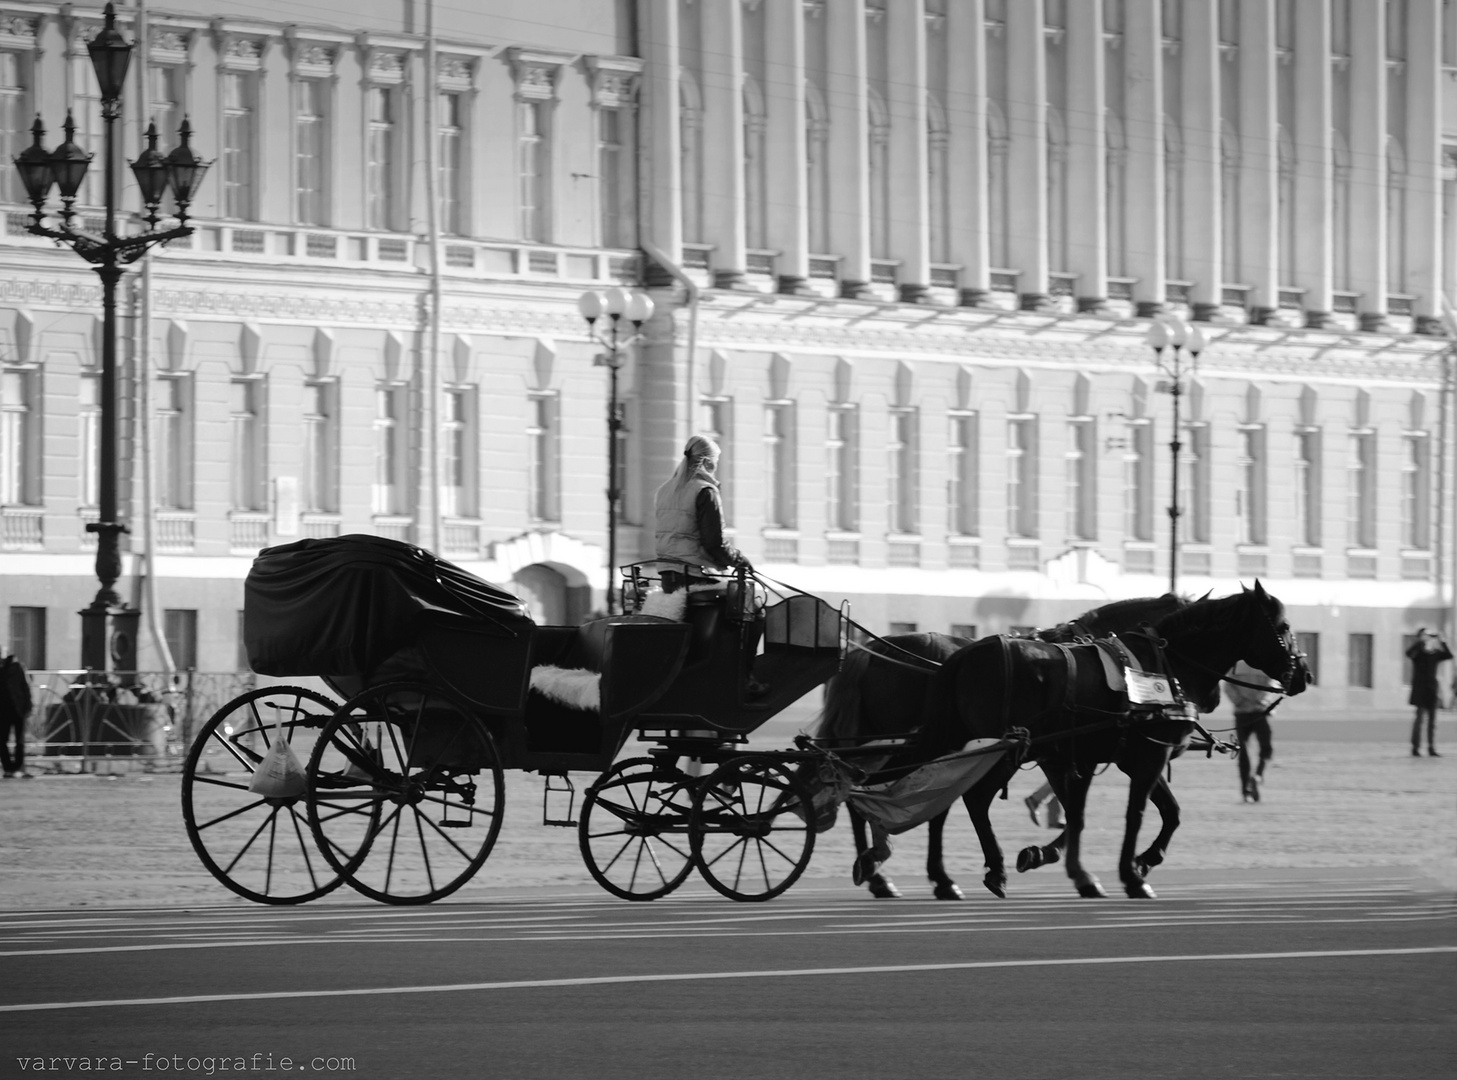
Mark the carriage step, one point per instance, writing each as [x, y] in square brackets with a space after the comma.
[565, 787]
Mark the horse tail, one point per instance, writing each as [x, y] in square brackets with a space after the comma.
[840, 716]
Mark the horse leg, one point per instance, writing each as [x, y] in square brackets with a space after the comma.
[1162, 797]
[978, 801]
[867, 869]
[1142, 777]
[946, 889]
[1075, 797]
[1030, 858]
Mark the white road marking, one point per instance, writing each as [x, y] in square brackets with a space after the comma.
[705, 976]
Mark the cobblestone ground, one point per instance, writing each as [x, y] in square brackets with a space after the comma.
[94, 841]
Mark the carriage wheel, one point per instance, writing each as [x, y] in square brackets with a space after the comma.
[257, 845]
[749, 831]
[634, 829]
[405, 793]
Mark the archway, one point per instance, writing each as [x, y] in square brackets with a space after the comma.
[550, 598]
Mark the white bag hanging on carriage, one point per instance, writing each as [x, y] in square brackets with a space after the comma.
[913, 799]
[279, 774]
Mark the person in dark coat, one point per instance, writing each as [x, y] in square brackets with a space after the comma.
[1426, 655]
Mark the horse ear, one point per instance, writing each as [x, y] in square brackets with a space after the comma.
[1207, 595]
[1260, 590]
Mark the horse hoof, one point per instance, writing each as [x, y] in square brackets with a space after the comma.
[1139, 890]
[1090, 889]
[883, 888]
[1029, 858]
[949, 890]
[860, 872]
[996, 884]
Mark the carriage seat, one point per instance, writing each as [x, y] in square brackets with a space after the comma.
[637, 655]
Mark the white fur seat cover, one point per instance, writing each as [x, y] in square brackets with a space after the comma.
[576, 688]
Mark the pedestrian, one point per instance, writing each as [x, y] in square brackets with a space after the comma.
[689, 511]
[15, 705]
[1252, 706]
[1426, 654]
[1034, 802]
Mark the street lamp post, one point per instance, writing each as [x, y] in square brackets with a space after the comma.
[620, 306]
[1181, 340]
[64, 168]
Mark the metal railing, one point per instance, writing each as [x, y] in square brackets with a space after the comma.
[144, 719]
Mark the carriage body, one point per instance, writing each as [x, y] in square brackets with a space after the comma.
[438, 675]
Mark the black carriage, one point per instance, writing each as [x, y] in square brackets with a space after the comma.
[443, 681]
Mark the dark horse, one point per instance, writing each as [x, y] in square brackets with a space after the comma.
[881, 690]
[1059, 695]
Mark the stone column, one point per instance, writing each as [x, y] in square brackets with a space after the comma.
[787, 143]
[658, 130]
[966, 153]
[1203, 209]
[1027, 149]
[910, 205]
[1087, 150]
[1367, 38]
[847, 90]
[724, 219]
[1259, 172]
[1143, 53]
[1423, 141]
[1314, 165]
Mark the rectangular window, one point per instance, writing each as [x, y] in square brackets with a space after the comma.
[717, 424]
[450, 110]
[320, 492]
[172, 441]
[165, 101]
[612, 185]
[901, 476]
[533, 170]
[779, 478]
[543, 488]
[841, 470]
[88, 441]
[240, 142]
[1022, 476]
[457, 454]
[1359, 650]
[1081, 478]
[1307, 643]
[247, 442]
[1194, 522]
[1307, 486]
[179, 627]
[1250, 495]
[1361, 490]
[15, 119]
[311, 141]
[902, 628]
[1138, 481]
[28, 636]
[964, 630]
[380, 194]
[389, 458]
[962, 487]
[1416, 492]
[19, 466]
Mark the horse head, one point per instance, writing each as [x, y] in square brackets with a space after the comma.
[1270, 644]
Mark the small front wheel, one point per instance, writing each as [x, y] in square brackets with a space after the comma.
[405, 793]
[634, 829]
[752, 828]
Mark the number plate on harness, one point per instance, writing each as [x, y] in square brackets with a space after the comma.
[1146, 688]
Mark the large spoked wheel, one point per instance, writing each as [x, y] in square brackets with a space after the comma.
[751, 828]
[256, 844]
[634, 829]
[405, 793]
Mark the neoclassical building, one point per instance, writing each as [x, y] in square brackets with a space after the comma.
[905, 256]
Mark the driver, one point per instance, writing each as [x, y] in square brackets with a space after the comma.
[690, 517]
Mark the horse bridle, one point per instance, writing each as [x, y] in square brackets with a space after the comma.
[1286, 644]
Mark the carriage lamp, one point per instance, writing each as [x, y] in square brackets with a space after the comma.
[108, 624]
[1171, 334]
[621, 307]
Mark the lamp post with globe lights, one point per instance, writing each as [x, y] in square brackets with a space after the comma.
[64, 168]
[1183, 343]
[609, 315]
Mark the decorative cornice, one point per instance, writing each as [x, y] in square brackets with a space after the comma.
[614, 80]
[455, 74]
[536, 72]
[170, 45]
[18, 31]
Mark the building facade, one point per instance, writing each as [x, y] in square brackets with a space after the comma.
[905, 257]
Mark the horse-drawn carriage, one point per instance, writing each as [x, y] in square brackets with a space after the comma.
[441, 682]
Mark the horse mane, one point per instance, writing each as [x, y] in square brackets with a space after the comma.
[1207, 614]
[840, 717]
[1119, 614]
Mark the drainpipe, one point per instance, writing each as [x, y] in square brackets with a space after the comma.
[144, 579]
[661, 258]
[436, 539]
